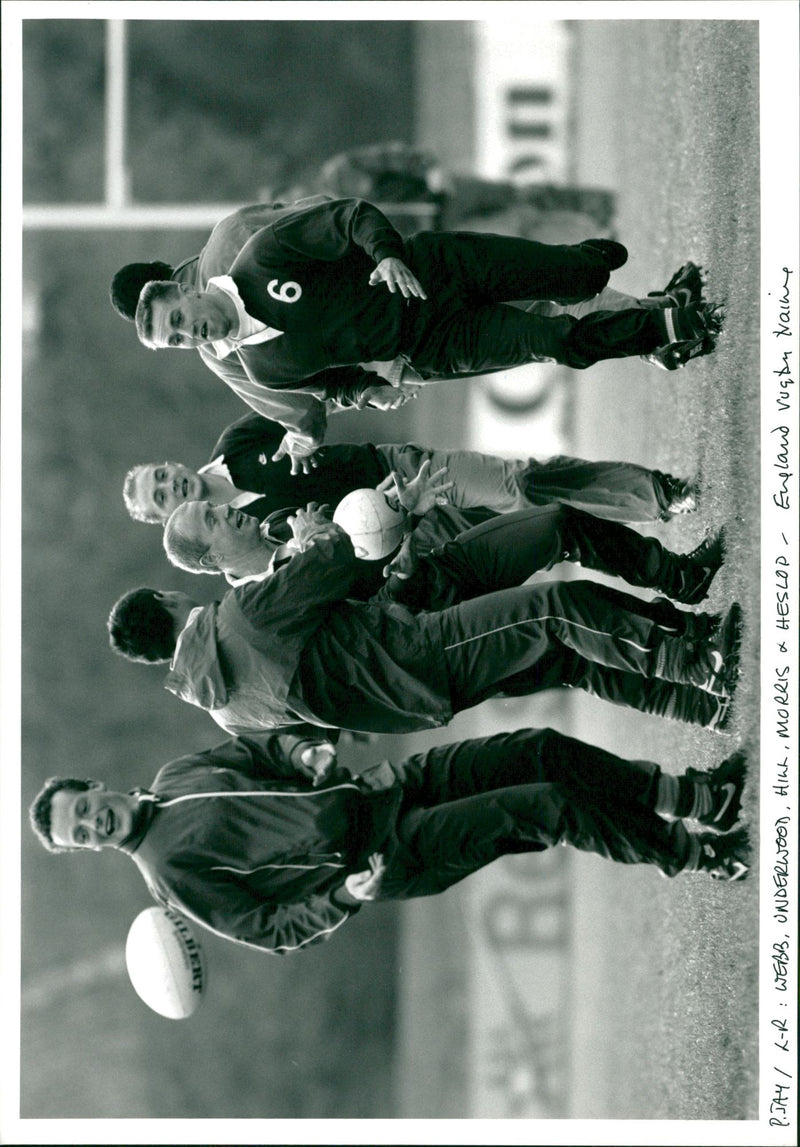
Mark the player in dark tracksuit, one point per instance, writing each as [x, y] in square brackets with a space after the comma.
[292, 648]
[506, 550]
[243, 454]
[309, 281]
[238, 839]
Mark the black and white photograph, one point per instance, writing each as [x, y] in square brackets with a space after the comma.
[294, 848]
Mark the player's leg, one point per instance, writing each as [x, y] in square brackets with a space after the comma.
[478, 479]
[525, 756]
[479, 267]
[440, 846]
[613, 548]
[606, 300]
[508, 549]
[491, 638]
[615, 491]
[480, 339]
[685, 703]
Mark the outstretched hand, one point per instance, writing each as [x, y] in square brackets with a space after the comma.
[422, 492]
[386, 397]
[310, 524]
[301, 463]
[397, 277]
[403, 564]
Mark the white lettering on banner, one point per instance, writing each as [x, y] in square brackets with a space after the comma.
[519, 913]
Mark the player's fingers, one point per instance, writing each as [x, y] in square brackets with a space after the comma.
[438, 475]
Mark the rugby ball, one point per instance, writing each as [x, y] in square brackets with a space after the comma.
[375, 529]
[165, 963]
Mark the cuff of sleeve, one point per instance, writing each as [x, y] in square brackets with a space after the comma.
[388, 251]
[342, 899]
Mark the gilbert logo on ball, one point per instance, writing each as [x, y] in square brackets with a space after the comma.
[375, 529]
[165, 963]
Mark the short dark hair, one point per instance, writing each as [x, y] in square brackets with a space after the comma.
[151, 293]
[141, 628]
[40, 810]
[127, 284]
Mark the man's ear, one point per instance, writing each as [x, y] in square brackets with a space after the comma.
[211, 561]
[95, 784]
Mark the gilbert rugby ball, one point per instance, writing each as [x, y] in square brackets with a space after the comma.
[374, 527]
[165, 963]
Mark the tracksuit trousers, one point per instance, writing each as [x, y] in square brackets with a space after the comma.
[467, 804]
[618, 491]
[564, 669]
[374, 669]
[469, 330]
[490, 638]
[506, 550]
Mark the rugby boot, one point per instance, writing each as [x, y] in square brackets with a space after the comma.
[725, 857]
[716, 799]
[720, 718]
[685, 286]
[687, 578]
[683, 623]
[715, 665]
[688, 332]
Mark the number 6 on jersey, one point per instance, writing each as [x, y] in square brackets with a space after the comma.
[288, 292]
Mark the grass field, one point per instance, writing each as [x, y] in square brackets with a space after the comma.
[684, 138]
[664, 973]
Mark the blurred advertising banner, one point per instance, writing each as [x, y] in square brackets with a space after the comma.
[520, 921]
[521, 99]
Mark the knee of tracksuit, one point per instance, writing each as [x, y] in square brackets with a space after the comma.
[557, 805]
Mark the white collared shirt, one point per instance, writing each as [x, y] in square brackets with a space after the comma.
[249, 330]
[218, 469]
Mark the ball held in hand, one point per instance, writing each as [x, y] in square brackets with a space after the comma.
[375, 529]
[165, 963]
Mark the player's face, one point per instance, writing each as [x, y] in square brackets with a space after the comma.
[229, 534]
[186, 319]
[94, 819]
[161, 488]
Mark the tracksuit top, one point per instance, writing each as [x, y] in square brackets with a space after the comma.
[247, 447]
[238, 840]
[256, 659]
[308, 276]
[302, 413]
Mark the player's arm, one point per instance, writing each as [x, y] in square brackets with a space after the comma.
[302, 413]
[310, 581]
[333, 230]
[224, 904]
[302, 751]
[336, 229]
[253, 434]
